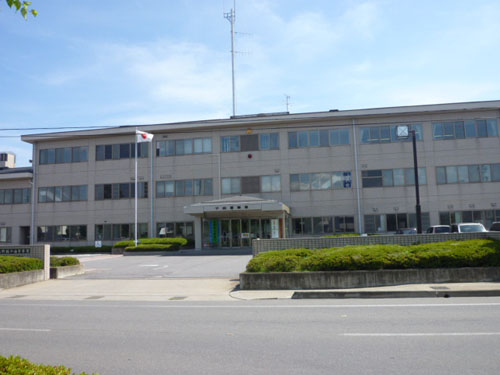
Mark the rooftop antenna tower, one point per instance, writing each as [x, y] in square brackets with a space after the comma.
[231, 16]
[287, 101]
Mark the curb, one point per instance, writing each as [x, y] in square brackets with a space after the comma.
[395, 294]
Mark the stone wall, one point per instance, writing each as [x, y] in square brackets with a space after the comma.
[30, 251]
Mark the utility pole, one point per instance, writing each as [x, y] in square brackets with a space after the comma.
[231, 16]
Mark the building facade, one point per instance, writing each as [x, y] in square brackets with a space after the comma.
[224, 182]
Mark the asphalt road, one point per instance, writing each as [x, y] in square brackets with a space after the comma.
[160, 267]
[417, 336]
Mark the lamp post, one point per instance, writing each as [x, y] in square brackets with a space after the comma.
[403, 131]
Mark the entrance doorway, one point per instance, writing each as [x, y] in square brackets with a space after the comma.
[24, 235]
[231, 233]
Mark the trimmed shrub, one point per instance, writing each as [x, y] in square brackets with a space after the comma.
[449, 254]
[64, 261]
[174, 242]
[20, 366]
[19, 264]
[79, 249]
[150, 247]
[342, 235]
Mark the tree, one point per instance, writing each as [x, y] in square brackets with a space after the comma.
[22, 6]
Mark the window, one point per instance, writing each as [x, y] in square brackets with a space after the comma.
[230, 143]
[465, 129]
[392, 222]
[393, 177]
[15, 196]
[181, 188]
[269, 141]
[120, 151]
[172, 229]
[318, 138]
[320, 225]
[468, 173]
[231, 185]
[181, 147]
[386, 134]
[485, 217]
[62, 194]
[64, 155]
[56, 233]
[118, 191]
[270, 183]
[320, 181]
[5, 234]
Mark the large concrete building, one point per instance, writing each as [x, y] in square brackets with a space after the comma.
[225, 182]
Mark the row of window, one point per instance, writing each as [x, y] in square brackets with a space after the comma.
[465, 129]
[121, 151]
[5, 234]
[386, 133]
[468, 173]
[251, 184]
[181, 188]
[54, 233]
[64, 155]
[120, 232]
[270, 141]
[392, 177]
[120, 191]
[184, 147]
[485, 217]
[15, 196]
[392, 222]
[322, 225]
[318, 138]
[320, 181]
[62, 194]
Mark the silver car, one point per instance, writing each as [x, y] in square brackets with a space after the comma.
[468, 228]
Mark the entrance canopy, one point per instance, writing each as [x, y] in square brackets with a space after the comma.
[238, 207]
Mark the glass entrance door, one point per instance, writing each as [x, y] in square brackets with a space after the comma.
[225, 233]
[245, 232]
[235, 232]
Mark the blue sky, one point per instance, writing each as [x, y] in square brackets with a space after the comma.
[107, 63]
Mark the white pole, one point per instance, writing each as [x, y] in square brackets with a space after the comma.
[135, 182]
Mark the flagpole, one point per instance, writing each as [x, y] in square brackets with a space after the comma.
[135, 192]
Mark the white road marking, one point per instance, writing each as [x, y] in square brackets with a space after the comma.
[421, 334]
[25, 329]
[234, 305]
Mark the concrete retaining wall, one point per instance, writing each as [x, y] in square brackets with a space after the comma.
[62, 272]
[13, 279]
[260, 246]
[361, 279]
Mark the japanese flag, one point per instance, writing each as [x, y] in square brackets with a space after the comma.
[143, 136]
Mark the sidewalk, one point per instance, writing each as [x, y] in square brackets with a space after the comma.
[223, 289]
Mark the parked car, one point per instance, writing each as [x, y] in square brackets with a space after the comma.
[495, 227]
[439, 229]
[407, 231]
[468, 228]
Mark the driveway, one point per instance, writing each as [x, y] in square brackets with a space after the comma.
[154, 267]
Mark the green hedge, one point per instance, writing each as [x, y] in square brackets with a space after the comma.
[174, 242]
[150, 247]
[20, 366]
[474, 253]
[19, 264]
[64, 261]
[342, 235]
[79, 249]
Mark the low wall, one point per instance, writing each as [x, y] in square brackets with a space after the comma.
[260, 246]
[14, 279]
[62, 272]
[364, 279]
[30, 251]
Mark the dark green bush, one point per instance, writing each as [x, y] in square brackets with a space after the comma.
[19, 264]
[175, 242]
[64, 261]
[20, 366]
[79, 249]
[474, 253]
[150, 247]
[342, 235]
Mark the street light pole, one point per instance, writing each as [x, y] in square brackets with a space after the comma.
[418, 208]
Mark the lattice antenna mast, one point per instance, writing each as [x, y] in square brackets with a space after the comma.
[231, 16]
[287, 101]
